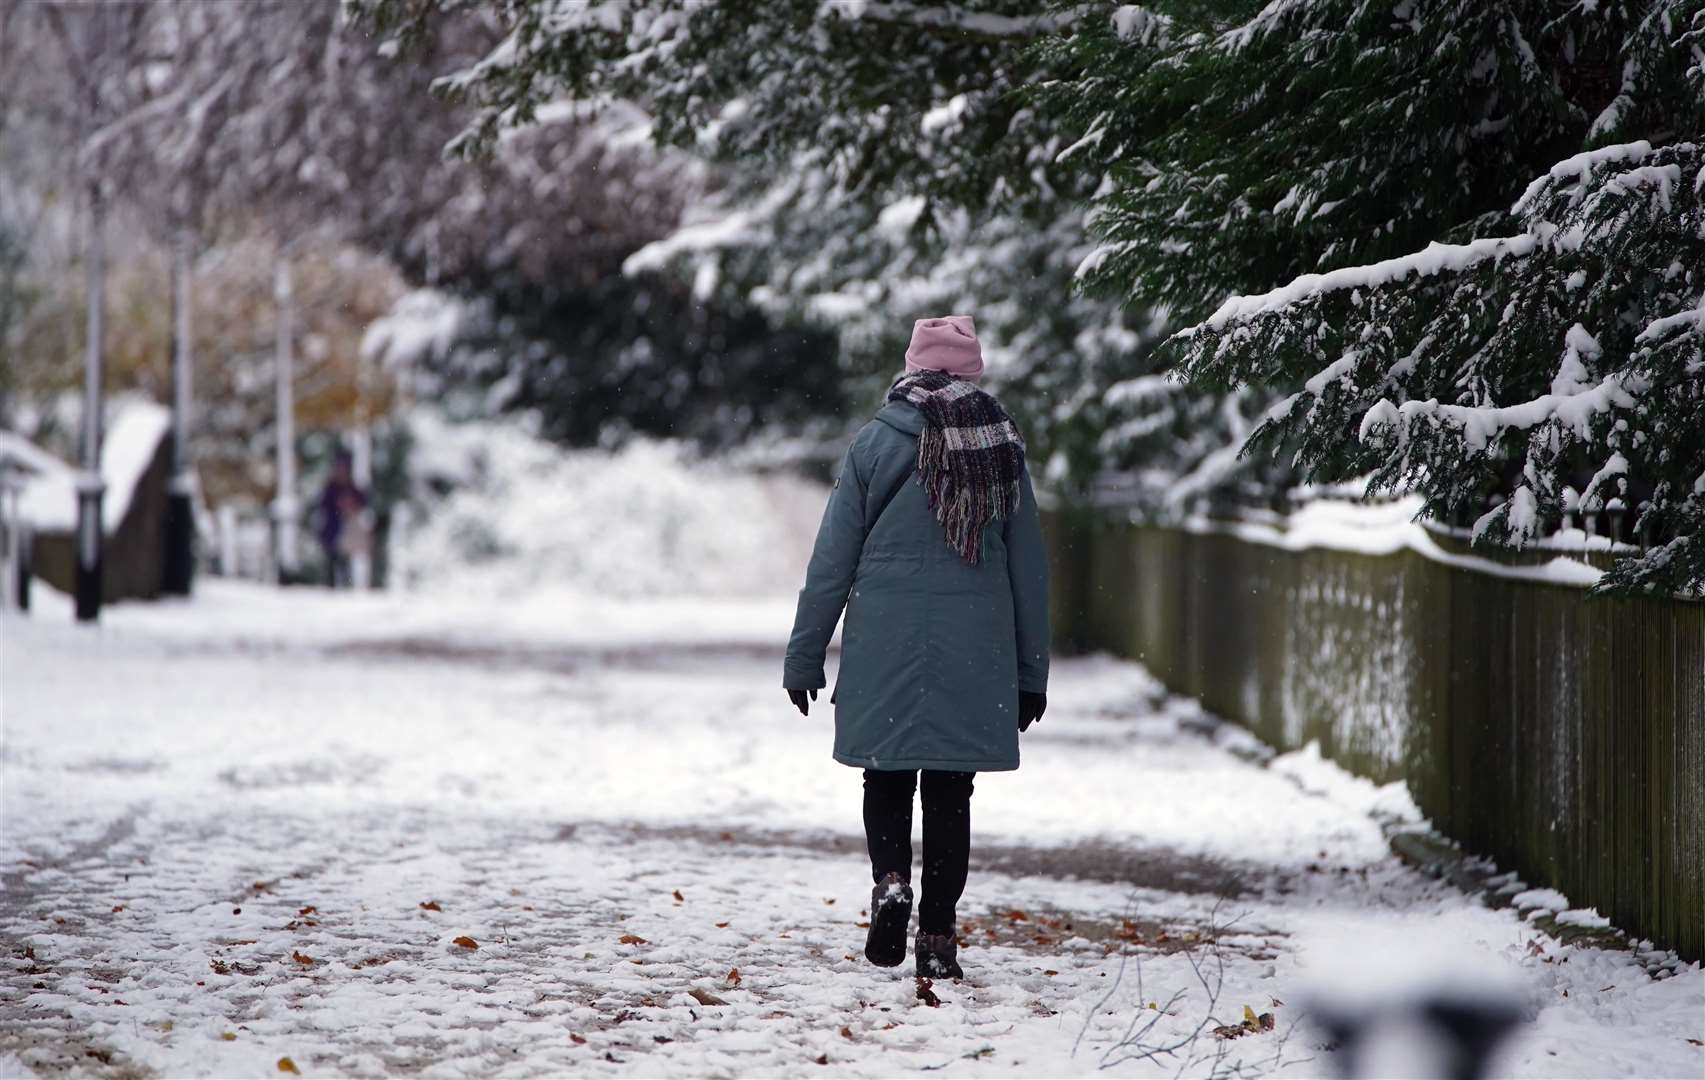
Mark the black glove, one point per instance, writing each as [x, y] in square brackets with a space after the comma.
[1031, 706]
[799, 702]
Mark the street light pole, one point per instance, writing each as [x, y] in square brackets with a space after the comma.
[284, 379]
[89, 483]
[179, 570]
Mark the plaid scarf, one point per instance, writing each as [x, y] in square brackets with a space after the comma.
[970, 456]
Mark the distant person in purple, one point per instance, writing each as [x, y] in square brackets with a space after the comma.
[343, 532]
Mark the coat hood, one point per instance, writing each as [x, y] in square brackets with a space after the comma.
[903, 417]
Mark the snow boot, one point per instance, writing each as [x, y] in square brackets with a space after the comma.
[938, 956]
[890, 917]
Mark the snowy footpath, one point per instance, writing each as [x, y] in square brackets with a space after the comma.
[267, 833]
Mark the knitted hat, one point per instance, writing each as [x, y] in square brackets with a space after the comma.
[946, 344]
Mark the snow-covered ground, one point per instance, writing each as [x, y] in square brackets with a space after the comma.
[254, 826]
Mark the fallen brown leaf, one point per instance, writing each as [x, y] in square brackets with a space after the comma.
[822, 1059]
[1049, 971]
[302, 958]
[722, 926]
[846, 1033]
[733, 978]
[1016, 915]
[678, 897]
[430, 905]
[705, 997]
[632, 939]
[926, 994]
[309, 910]
[229, 1036]
[578, 1040]
[829, 900]
[117, 908]
[287, 1066]
[466, 942]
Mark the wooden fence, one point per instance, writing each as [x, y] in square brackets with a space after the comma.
[1561, 734]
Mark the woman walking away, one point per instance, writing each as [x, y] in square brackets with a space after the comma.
[932, 545]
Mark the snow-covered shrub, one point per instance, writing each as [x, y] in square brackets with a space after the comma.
[497, 508]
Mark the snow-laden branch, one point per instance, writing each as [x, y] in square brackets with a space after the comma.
[1436, 259]
[1436, 362]
[734, 228]
[932, 17]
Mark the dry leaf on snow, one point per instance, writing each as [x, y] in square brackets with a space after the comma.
[926, 994]
[632, 939]
[430, 905]
[285, 1065]
[705, 997]
[466, 942]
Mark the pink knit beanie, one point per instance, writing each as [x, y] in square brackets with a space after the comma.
[946, 344]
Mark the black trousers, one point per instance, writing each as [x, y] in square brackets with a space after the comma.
[947, 836]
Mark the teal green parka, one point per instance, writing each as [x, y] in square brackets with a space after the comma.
[934, 651]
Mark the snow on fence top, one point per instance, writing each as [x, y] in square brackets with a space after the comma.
[48, 501]
[1389, 526]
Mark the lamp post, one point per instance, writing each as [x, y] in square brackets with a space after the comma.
[179, 570]
[90, 486]
[284, 379]
[14, 591]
